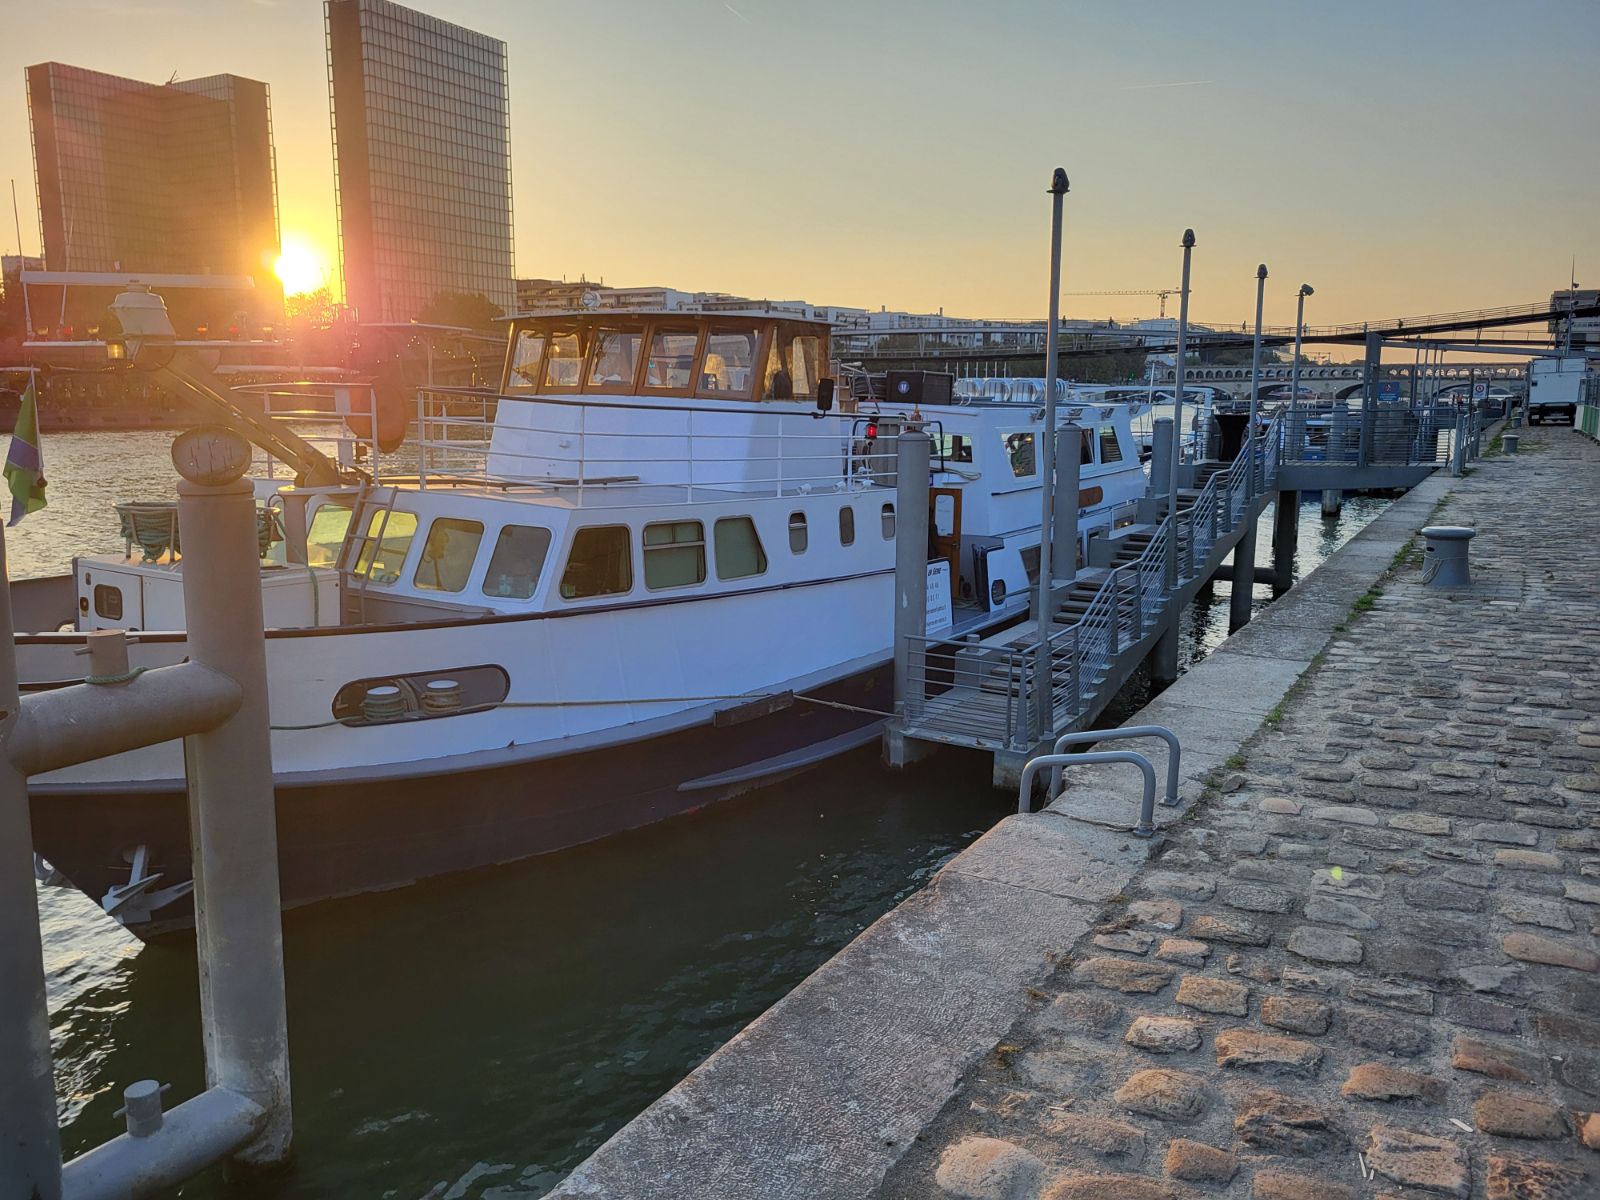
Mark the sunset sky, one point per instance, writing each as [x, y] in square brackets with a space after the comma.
[1403, 156]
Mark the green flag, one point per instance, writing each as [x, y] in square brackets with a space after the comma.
[25, 460]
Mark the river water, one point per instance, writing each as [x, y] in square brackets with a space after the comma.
[477, 1036]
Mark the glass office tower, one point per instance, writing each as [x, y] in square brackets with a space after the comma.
[422, 158]
[134, 177]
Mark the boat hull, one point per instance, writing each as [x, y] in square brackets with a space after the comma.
[342, 839]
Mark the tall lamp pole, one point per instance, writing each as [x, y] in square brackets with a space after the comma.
[1255, 384]
[1177, 410]
[1046, 454]
[1294, 369]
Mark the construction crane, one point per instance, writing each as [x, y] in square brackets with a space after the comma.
[1162, 292]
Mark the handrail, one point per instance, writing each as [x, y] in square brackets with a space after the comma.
[1119, 734]
[1147, 806]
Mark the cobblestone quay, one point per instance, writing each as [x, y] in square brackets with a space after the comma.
[1366, 964]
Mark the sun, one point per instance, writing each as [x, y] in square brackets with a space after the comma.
[299, 267]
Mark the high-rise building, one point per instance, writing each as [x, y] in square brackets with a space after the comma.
[175, 178]
[422, 157]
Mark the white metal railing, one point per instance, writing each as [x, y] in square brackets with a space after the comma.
[689, 453]
[337, 419]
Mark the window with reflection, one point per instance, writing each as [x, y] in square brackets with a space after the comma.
[739, 552]
[448, 553]
[616, 356]
[519, 553]
[674, 554]
[805, 364]
[325, 536]
[388, 540]
[730, 361]
[563, 361]
[526, 358]
[1019, 453]
[799, 535]
[599, 564]
[671, 361]
[847, 526]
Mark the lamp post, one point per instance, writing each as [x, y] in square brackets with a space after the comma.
[1294, 368]
[1046, 456]
[1177, 411]
[1255, 384]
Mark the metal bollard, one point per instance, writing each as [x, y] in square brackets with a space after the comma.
[1444, 557]
[141, 1105]
[1508, 442]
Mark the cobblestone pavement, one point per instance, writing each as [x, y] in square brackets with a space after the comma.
[1371, 970]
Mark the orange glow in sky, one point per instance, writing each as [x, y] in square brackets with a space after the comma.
[301, 267]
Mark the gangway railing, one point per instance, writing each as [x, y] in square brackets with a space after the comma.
[1147, 804]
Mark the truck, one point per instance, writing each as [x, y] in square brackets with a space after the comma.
[1554, 387]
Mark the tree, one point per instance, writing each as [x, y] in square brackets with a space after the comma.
[466, 310]
[314, 309]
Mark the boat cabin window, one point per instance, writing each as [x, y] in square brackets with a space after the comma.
[1019, 453]
[805, 364]
[599, 564]
[739, 552]
[674, 554]
[1110, 451]
[847, 526]
[325, 536]
[799, 536]
[563, 362]
[518, 557]
[526, 357]
[671, 362]
[888, 522]
[447, 556]
[386, 544]
[1086, 448]
[955, 447]
[615, 360]
[108, 601]
[730, 361]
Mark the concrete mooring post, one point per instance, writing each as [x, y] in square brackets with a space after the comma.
[1160, 456]
[1285, 538]
[1064, 523]
[1244, 575]
[913, 453]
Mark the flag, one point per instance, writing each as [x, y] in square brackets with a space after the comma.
[25, 460]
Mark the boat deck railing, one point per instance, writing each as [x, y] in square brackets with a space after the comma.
[335, 418]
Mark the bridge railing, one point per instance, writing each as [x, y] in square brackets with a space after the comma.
[1397, 435]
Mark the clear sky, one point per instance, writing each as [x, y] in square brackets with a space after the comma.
[1403, 156]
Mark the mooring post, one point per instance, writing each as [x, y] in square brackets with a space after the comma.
[232, 814]
[1160, 456]
[1332, 502]
[1253, 483]
[1285, 537]
[1244, 576]
[913, 453]
[1064, 524]
[1179, 364]
[30, 1143]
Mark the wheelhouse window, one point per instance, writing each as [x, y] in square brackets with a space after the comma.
[1086, 448]
[599, 564]
[527, 356]
[671, 362]
[674, 554]
[805, 364]
[615, 360]
[519, 554]
[1019, 453]
[730, 361]
[386, 544]
[799, 535]
[888, 522]
[847, 526]
[448, 553]
[325, 535]
[563, 362]
[739, 552]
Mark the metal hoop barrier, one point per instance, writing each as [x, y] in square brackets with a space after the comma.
[1170, 800]
[1147, 807]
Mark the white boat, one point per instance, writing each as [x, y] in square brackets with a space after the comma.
[651, 570]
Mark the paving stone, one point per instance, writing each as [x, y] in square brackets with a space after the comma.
[1183, 886]
[1099, 1135]
[1583, 893]
[1496, 1062]
[1380, 1081]
[1512, 1178]
[1518, 1114]
[1589, 1129]
[1424, 823]
[1160, 913]
[1533, 947]
[1279, 1124]
[1385, 1034]
[1163, 1093]
[1113, 1187]
[1297, 1015]
[1070, 1070]
[1269, 1053]
[1503, 833]
[1438, 929]
[1323, 945]
[1281, 805]
[1196, 1162]
[1528, 860]
[1333, 911]
[1561, 1027]
[1530, 910]
[1439, 893]
[1184, 950]
[1414, 959]
[1481, 1014]
[1084, 1011]
[1235, 930]
[1581, 1071]
[1274, 1183]
[1300, 980]
[1163, 1035]
[985, 1168]
[1345, 815]
[1391, 995]
[1253, 897]
[1268, 870]
[1222, 996]
[1507, 979]
[1130, 941]
[1125, 975]
[1417, 1160]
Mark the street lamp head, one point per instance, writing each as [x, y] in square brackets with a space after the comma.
[1306, 289]
[1058, 182]
[1261, 271]
[1188, 239]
